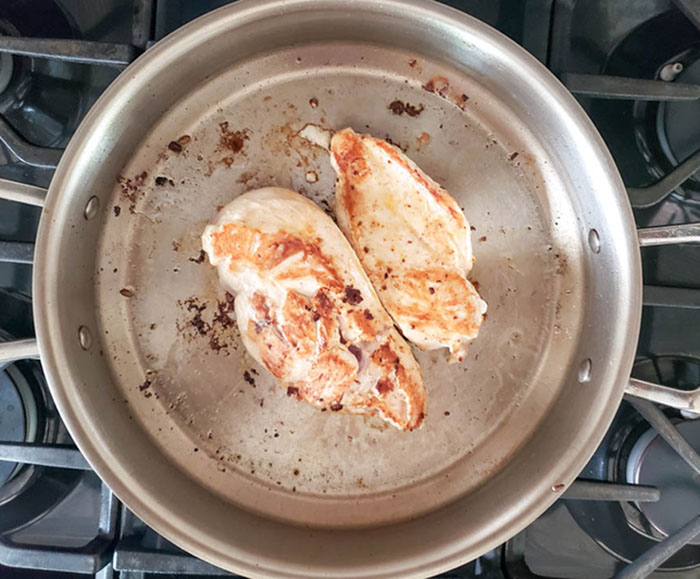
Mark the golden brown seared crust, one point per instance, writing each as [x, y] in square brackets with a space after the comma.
[336, 348]
[412, 239]
[433, 299]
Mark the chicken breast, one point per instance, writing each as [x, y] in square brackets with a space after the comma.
[307, 311]
[412, 239]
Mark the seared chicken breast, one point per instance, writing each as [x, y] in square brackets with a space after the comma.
[413, 240]
[307, 311]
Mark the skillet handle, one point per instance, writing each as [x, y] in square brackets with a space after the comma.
[669, 234]
[29, 195]
[681, 399]
[23, 193]
[18, 350]
[688, 400]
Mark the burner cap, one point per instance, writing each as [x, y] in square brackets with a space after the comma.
[653, 462]
[13, 426]
[679, 121]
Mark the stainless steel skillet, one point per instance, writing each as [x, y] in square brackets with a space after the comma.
[143, 358]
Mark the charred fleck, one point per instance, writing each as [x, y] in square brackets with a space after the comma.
[117, 210]
[197, 322]
[399, 107]
[248, 378]
[200, 258]
[293, 391]
[384, 386]
[231, 140]
[353, 296]
[175, 147]
[336, 406]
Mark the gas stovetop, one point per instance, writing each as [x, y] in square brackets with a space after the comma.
[634, 66]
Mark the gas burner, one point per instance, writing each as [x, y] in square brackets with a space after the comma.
[27, 415]
[41, 100]
[18, 423]
[634, 453]
[678, 122]
[664, 48]
[653, 462]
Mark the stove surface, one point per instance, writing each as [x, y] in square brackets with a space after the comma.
[633, 64]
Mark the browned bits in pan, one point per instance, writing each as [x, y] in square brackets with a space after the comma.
[512, 156]
[336, 407]
[248, 378]
[175, 147]
[437, 84]
[132, 189]
[293, 391]
[313, 102]
[197, 322]
[423, 139]
[127, 292]
[399, 107]
[117, 210]
[217, 332]
[200, 258]
[231, 140]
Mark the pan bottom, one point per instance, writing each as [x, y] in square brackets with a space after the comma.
[169, 330]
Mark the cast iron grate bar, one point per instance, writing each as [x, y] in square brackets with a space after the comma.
[79, 51]
[84, 560]
[16, 252]
[691, 9]
[620, 87]
[654, 557]
[667, 431]
[59, 456]
[671, 297]
[131, 556]
[585, 490]
[40, 157]
[653, 194]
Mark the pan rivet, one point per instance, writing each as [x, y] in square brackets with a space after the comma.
[91, 207]
[84, 337]
[584, 371]
[558, 487]
[594, 241]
